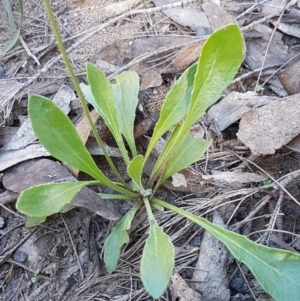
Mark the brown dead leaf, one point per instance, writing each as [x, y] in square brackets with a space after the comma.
[210, 276]
[84, 129]
[266, 129]
[181, 291]
[289, 78]
[41, 171]
[217, 16]
[231, 108]
[178, 179]
[233, 179]
[120, 7]
[187, 17]
[149, 79]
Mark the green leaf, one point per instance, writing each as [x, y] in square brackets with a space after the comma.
[135, 169]
[175, 106]
[59, 136]
[157, 261]
[218, 63]
[103, 100]
[188, 151]
[16, 32]
[116, 239]
[41, 201]
[276, 270]
[34, 221]
[126, 92]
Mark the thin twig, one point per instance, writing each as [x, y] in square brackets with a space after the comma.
[269, 43]
[72, 242]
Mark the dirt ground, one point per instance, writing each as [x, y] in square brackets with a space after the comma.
[62, 258]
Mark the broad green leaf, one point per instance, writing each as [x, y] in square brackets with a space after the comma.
[41, 201]
[34, 221]
[116, 239]
[59, 136]
[276, 270]
[218, 63]
[135, 169]
[175, 106]
[188, 151]
[103, 100]
[157, 261]
[126, 92]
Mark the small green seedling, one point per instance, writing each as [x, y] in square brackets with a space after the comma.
[36, 276]
[196, 90]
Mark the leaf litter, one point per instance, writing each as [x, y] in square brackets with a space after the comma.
[202, 192]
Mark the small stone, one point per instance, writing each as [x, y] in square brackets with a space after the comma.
[20, 256]
[3, 223]
[2, 73]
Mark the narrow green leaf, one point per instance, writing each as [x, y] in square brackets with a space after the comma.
[126, 92]
[104, 102]
[276, 270]
[59, 136]
[16, 32]
[218, 63]
[135, 169]
[116, 239]
[41, 201]
[175, 106]
[157, 261]
[188, 151]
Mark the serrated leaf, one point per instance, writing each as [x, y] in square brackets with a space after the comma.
[116, 239]
[276, 270]
[126, 92]
[60, 138]
[41, 201]
[135, 170]
[220, 58]
[101, 97]
[157, 261]
[175, 106]
[188, 151]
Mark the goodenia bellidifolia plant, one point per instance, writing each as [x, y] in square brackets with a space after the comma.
[199, 87]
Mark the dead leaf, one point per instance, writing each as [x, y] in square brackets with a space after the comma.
[178, 179]
[289, 78]
[266, 129]
[231, 108]
[188, 17]
[119, 7]
[25, 134]
[41, 171]
[150, 79]
[210, 276]
[232, 179]
[217, 16]
[8, 90]
[84, 129]
[294, 144]
[181, 291]
[279, 53]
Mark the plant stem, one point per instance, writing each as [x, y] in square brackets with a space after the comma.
[75, 82]
[149, 210]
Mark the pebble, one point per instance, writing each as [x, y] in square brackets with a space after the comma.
[20, 256]
[2, 73]
[3, 223]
